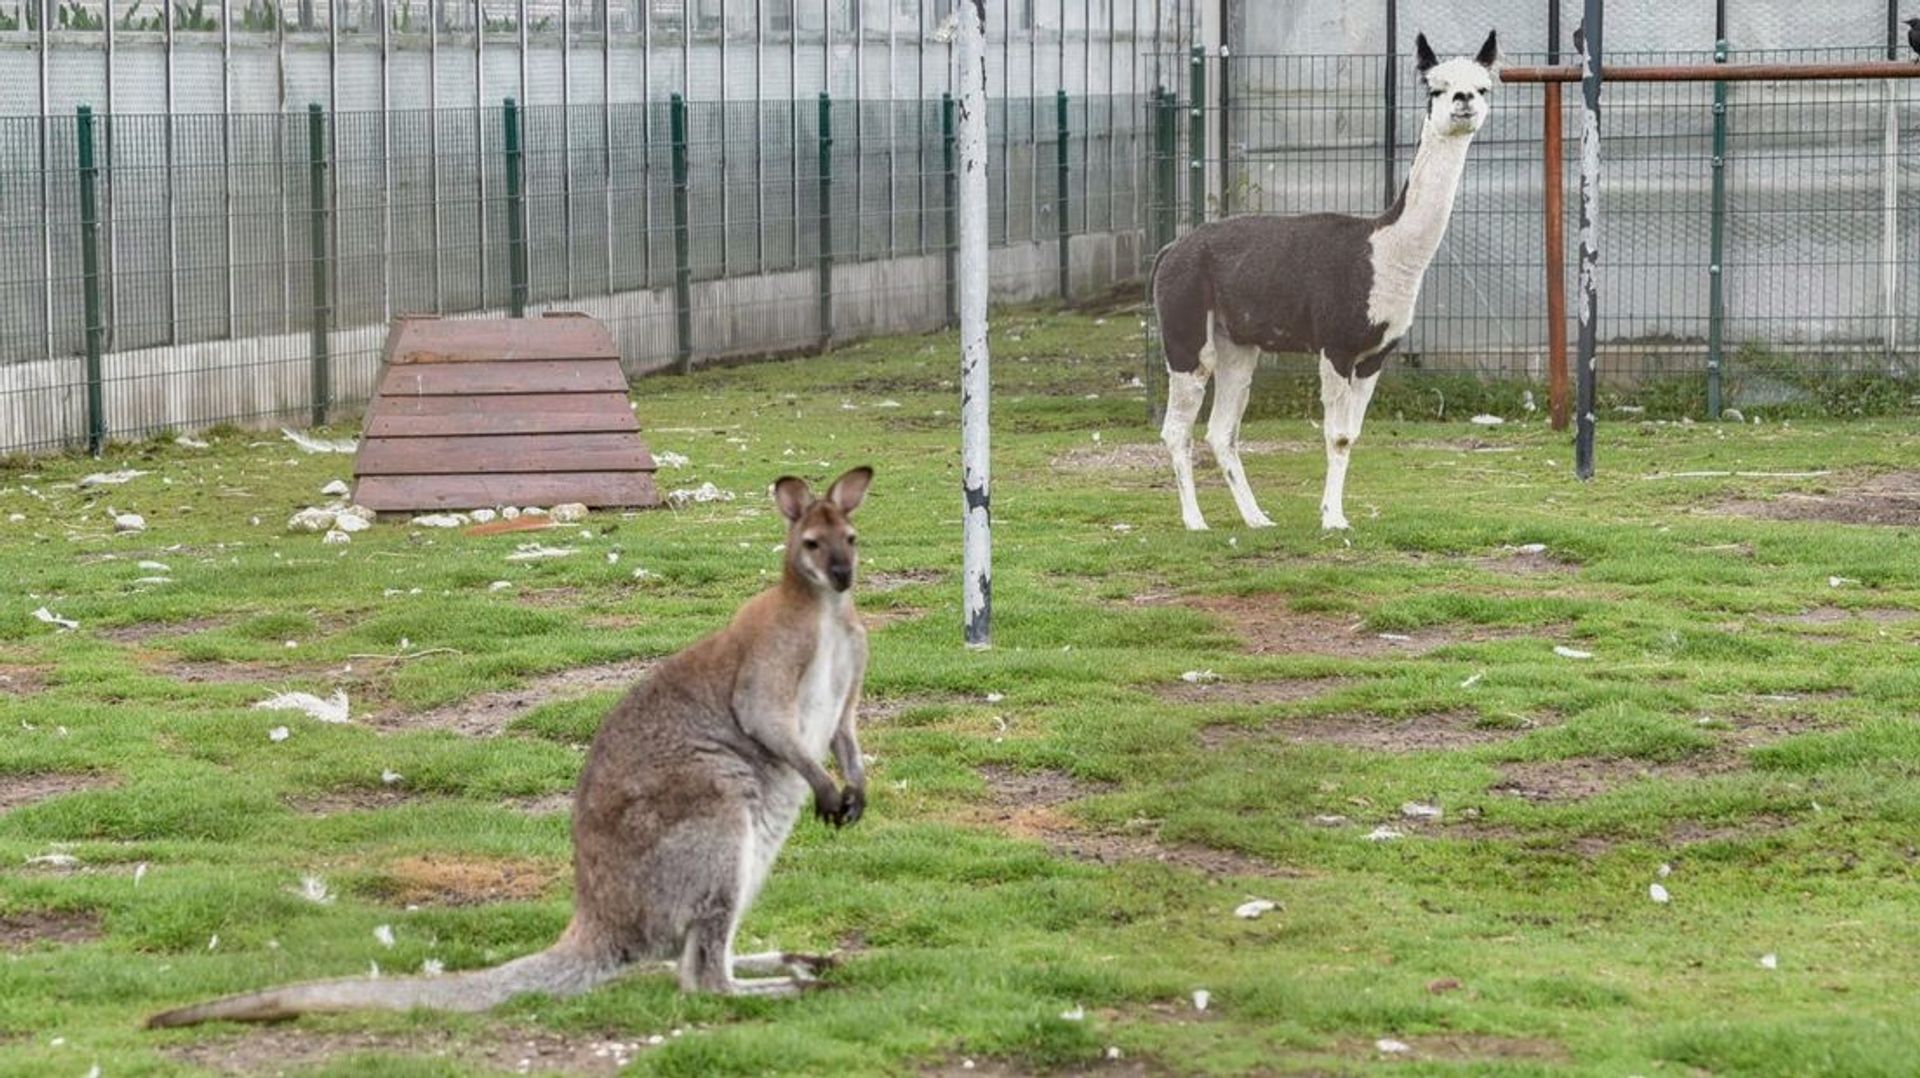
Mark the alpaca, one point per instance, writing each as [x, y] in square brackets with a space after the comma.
[1325, 284]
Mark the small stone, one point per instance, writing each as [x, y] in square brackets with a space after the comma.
[1201, 998]
[1384, 833]
[1391, 1047]
[500, 585]
[569, 513]
[311, 519]
[1415, 810]
[1769, 961]
[533, 511]
[347, 523]
[1329, 821]
[1658, 894]
[359, 511]
[1250, 910]
[336, 537]
[482, 516]
[439, 520]
[338, 488]
[279, 733]
[510, 513]
[129, 522]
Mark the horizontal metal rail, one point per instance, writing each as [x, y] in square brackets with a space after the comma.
[1869, 69]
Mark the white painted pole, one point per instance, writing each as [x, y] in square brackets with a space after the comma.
[1890, 232]
[971, 139]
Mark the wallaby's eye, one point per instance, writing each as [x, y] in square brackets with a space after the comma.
[810, 544]
[1436, 93]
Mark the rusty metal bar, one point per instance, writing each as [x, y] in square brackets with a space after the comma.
[1556, 228]
[1866, 69]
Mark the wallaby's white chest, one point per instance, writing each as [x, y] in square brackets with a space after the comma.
[827, 682]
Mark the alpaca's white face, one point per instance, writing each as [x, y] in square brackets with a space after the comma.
[1459, 94]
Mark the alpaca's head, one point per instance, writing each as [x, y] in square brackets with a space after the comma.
[1459, 91]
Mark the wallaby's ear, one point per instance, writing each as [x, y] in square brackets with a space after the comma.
[792, 496]
[1423, 53]
[1489, 52]
[850, 490]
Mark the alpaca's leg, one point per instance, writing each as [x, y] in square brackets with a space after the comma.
[1233, 383]
[1336, 394]
[1185, 392]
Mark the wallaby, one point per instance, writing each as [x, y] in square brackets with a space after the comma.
[690, 789]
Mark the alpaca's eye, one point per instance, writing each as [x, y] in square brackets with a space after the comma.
[1436, 93]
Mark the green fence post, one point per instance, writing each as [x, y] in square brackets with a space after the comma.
[1060, 203]
[1716, 258]
[1167, 139]
[826, 219]
[1197, 139]
[322, 387]
[682, 238]
[516, 213]
[90, 280]
[950, 183]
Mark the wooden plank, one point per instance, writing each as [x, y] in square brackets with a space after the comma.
[499, 339]
[532, 413]
[505, 453]
[407, 493]
[522, 376]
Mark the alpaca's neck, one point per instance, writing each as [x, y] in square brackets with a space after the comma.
[1427, 202]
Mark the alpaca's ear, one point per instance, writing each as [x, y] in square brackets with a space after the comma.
[1489, 52]
[1423, 53]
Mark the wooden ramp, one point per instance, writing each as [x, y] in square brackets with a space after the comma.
[519, 411]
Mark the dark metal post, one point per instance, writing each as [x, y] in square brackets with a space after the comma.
[1893, 29]
[90, 282]
[1225, 125]
[1166, 141]
[516, 213]
[1197, 137]
[1060, 202]
[1592, 70]
[322, 265]
[1389, 136]
[826, 219]
[950, 186]
[682, 237]
[1716, 258]
[1558, 409]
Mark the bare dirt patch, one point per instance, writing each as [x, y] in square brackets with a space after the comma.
[1692, 833]
[1524, 563]
[1836, 616]
[1270, 691]
[892, 615]
[886, 580]
[541, 805]
[1266, 626]
[26, 929]
[1766, 722]
[977, 1066]
[445, 880]
[1891, 499]
[1026, 804]
[885, 710]
[233, 672]
[356, 799]
[279, 1049]
[1580, 777]
[148, 631]
[19, 790]
[22, 680]
[1468, 1047]
[1439, 732]
[564, 596]
[490, 713]
[1152, 456]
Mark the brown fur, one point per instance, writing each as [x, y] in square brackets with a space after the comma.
[691, 787]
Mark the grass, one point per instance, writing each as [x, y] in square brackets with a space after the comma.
[1770, 762]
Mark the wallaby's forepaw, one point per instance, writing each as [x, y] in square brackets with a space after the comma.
[828, 805]
[853, 803]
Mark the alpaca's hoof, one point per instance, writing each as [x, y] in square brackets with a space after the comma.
[1196, 524]
[1333, 522]
[1259, 520]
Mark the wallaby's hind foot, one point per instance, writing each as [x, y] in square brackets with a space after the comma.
[804, 967]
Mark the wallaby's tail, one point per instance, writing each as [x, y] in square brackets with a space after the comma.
[561, 970]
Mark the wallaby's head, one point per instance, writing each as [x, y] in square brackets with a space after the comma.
[821, 544]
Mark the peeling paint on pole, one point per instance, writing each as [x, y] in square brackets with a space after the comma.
[977, 555]
[1588, 41]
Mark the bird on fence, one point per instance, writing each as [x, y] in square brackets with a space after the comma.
[1913, 36]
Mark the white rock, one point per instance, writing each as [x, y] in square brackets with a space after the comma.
[705, 492]
[1769, 961]
[1840, 581]
[510, 513]
[153, 566]
[330, 710]
[338, 488]
[432, 967]
[439, 520]
[1486, 421]
[1329, 821]
[15, 518]
[388, 777]
[1571, 653]
[533, 511]
[110, 479]
[1250, 910]
[482, 516]
[1198, 677]
[644, 574]
[279, 733]
[346, 523]
[189, 443]
[129, 522]
[139, 873]
[384, 933]
[537, 552]
[1663, 871]
[1201, 997]
[613, 557]
[1531, 548]
[336, 537]
[1383, 833]
[309, 444]
[315, 890]
[1732, 415]
[500, 585]
[1113, 1051]
[1076, 1013]
[311, 519]
[359, 511]
[1415, 810]
[51, 618]
[569, 513]
[1391, 1047]
[1658, 893]
[670, 459]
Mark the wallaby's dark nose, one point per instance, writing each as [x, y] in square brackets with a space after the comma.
[841, 573]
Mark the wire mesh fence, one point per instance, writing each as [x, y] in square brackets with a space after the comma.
[249, 263]
[1818, 219]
